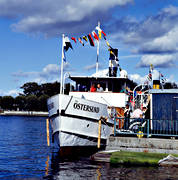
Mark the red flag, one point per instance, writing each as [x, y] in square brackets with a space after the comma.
[91, 40]
[74, 39]
[95, 35]
[103, 33]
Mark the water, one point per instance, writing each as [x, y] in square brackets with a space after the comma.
[25, 155]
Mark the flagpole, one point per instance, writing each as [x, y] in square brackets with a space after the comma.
[62, 65]
[97, 51]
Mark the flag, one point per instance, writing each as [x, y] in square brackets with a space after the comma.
[100, 31]
[107, 42]
[113, 54]
[103, 33]
[91, 40]
[66, 44]
[161, 75]
[80, 40]
[149, 76]
[74, 39]
[85, 38]
[95, 35]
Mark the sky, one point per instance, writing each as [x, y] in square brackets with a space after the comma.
[145, 32]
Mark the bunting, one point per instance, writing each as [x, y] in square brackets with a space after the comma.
[85, 38]
[80, 40]
[100, 31]
[95, 35]
[91, 40]
[74, 39]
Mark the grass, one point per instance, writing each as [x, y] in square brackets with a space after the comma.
[137, 158]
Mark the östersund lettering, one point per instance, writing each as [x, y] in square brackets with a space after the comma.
[85, 107]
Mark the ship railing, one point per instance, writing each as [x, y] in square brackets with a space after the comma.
[141, 127]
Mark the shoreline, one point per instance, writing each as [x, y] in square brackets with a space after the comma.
[24, 113]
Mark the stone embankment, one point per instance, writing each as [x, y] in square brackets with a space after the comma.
[154, 145]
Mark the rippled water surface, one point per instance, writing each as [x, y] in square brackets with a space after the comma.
[25, 155]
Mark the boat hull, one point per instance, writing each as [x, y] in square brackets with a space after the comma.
[75, 126]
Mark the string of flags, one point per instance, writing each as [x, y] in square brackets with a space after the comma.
[161, 77]
[149, 77]
[90, 37]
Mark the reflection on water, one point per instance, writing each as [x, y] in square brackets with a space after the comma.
[83, 168]
[24, 155]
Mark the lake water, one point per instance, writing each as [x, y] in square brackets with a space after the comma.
[24, 155]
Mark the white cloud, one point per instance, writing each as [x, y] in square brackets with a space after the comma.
[138, 78]
[157, 60]
[58, 16]
[101, 73]
[50, 72]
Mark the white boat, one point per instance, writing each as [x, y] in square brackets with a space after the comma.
[75, 117]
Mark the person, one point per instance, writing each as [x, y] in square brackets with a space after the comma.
[127, 113]
[92, 89]
[99, 88]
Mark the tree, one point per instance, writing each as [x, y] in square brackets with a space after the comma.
[31, 88]
[0, 102]
[7, 102]
[20, 102]
[43, 102]
[32, 103]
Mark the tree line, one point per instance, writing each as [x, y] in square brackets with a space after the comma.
[33, 98]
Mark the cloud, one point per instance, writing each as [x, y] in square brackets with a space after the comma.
[135, 31]
[101, 73]
[59, 16]
[162, 61]
[138, 78]
[164, 44]
[151, 35]
[50, 72]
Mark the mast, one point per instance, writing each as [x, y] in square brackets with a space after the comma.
[97, 50]
[62, 65]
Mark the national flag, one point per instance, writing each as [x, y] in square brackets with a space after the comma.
[91, 40]
[80, 40]
[85, 38]
[95, 35]
[67, 44]
[74, 39]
